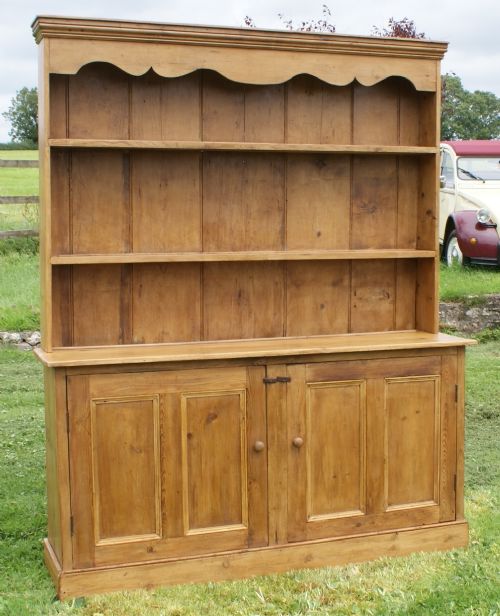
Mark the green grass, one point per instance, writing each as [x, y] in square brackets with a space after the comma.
[19, 292]
[457, 282]
[19, 154]
[18, 181]
[458, 582]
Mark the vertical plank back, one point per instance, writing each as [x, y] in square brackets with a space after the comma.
[374, 202]
[165, 188]
[317, 112]
[98, 103]
[100, 220]
[265, 113]
[223, 109]
[318, 202]
[243, 202]
[376, 113]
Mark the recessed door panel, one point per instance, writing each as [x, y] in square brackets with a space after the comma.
[214, 461]
[336, 455]
[126, 469]
[412, 441]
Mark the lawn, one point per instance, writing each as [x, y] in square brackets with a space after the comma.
[19, 292]
[18, 182]
[456, 282]
[19, 154]
[457, 582]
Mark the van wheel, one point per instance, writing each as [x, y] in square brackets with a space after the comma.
[452, 253]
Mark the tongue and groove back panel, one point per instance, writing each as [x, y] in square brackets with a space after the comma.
[119, 201]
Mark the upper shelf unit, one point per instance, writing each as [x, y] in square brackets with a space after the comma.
[224, 185]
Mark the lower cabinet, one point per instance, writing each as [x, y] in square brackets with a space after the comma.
[176, 463]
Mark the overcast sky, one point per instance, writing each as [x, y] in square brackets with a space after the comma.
[472, 29]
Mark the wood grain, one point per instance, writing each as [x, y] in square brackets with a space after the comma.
[101, 296]
[241, 255]
[372, 296]
[230, 146]
[318, 202]
[243, 202]
[335, 458]
[374, 202]
[277, 403]
[125, 469]
[317, 113]
[214, 442]
[99, 202]
[375, 113]
[98, 103]
[412, 440]
[165, 188]
[317, 300]
[166, 303]
[234, 349]
[243, 300]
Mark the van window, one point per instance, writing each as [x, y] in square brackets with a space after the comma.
[447, 170]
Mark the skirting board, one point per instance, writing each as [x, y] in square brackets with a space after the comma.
[259, 561]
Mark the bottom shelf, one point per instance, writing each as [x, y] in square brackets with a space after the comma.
[233, 349]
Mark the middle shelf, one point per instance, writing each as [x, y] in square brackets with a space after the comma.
[252, 255]
[241, 146]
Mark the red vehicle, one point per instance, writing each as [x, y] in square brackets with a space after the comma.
[470, 202]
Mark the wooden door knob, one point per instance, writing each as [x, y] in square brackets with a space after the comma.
[298, 442]
[258, 446]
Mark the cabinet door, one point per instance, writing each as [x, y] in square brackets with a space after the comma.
[165, 464]
[371, 445]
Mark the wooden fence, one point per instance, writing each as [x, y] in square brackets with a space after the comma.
[32, 164]
[19, 200]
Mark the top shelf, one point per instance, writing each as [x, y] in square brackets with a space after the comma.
[228, 146]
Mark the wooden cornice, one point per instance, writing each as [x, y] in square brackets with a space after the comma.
[101, 29]
[233, 51]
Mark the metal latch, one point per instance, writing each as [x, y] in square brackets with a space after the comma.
[278, 379]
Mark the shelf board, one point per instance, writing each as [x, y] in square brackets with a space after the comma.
[259, 255]
[240, 146]
[234, 349]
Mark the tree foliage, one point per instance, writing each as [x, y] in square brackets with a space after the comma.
[468, 115]
[399, 28]
[23, 116]
[313, 25]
